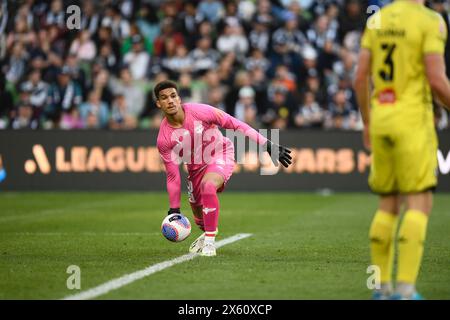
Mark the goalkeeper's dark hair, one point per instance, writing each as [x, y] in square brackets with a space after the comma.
[166, 84]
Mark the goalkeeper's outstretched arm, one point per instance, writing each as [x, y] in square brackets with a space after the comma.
[277, 153]
[224, 120]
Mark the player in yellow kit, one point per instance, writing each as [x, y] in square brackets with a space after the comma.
[400, 65]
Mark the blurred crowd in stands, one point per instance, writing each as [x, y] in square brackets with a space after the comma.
[273, 64]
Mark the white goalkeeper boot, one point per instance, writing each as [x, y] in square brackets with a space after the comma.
[209, 246]
[197, 245]
[209, 250]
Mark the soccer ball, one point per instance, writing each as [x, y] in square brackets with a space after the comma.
[176, 227]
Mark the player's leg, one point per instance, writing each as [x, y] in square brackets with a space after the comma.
[198, 243]
[197, 211]
[411, 239]
[417, 166]
[194, 196]
[210, 183]
[383, 226]
[216, 176]
[382, 240]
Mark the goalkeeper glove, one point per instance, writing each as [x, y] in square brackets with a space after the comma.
[278, 153]
[173, 210]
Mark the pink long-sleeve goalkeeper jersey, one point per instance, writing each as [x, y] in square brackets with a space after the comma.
[197, 143]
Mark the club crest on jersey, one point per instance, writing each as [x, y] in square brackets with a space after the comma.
[198, 128]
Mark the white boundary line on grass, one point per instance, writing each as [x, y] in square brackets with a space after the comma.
[129, 278]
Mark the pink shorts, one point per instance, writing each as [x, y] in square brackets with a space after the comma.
[195, 179]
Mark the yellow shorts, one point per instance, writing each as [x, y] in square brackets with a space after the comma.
[404, 161]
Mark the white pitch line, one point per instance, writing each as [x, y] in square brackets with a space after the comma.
[129, 278]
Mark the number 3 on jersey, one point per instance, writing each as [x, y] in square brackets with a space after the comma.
[388, 73]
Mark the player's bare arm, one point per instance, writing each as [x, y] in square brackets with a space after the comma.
[437, 78]
[362, 89]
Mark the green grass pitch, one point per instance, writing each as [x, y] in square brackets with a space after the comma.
[304, 246]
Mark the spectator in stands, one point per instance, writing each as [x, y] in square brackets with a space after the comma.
[167, 32]
[332, 13]
[233, 40]
[205, 30]
[321, 36]
[257, 60]
[107, 58]
[137, 59]
[77, 73]
[285, 78]
[136, 37]
[56, 15]
[281, 106]
[314, 83]
[83, 47]
[181, 62]
[185, 87]
[245, 108]
[23, 117]
[304, 17]
[213, 10]
[212, 81]
[344, 84]
[63, 94]
[94, 107]
[309, 114]
[156, 119]
[242, 79]
[216, 98]
[90, 18]
[351, 18]
[259, 36]
[190, 20]
[264, 13]
[38, 92]
[230, 16]
[120, 27]
[319, 7]
[345, 66]
[133, 92]
[227, 69]
[246, 10]
[16, 66]
[147, 22]
[22, 31]
[340, 114]
[287, 43]
[121, 118]
[309, 56]
[104, 36]
[58, 41]
[259, 82]
[71, 120]
[204, 57]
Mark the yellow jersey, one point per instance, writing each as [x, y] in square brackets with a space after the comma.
[398, 37]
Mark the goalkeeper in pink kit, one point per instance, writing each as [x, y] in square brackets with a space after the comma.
[190, 131]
